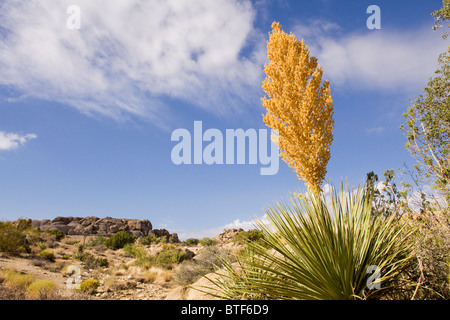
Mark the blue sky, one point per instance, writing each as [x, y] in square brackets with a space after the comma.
[86, 115]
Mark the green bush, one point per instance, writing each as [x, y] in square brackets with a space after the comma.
[17, 280]
[206, 242]
[119, 240]
[138, 251]
[56, 233]
[41, 289]
[135, 250]
[189, 272]
[49, 255]
[103, 262]
[42, 245]
[191, 242]
[12, 240]
[90, 260]
[96, 241]
[23, 224]
[89, 286]
[169, 256]
[253, 235]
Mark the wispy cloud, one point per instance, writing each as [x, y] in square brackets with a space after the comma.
[375, 130]
[129, 56]
[10, 141]
[373, 59]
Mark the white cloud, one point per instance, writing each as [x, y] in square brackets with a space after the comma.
[10, 141]
[212, 232]
[374, 59]
[375, 130]
[129, 56]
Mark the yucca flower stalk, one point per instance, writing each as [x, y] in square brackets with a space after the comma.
[323, 247]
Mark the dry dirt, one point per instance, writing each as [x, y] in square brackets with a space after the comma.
[121, 280]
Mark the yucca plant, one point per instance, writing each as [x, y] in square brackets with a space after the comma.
[322, 247]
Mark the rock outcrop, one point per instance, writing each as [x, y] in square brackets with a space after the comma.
[227, 235]
[101, 226]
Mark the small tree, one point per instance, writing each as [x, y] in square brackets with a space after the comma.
[119, 240]
[299, 107]
[442, 15]
[427, 129]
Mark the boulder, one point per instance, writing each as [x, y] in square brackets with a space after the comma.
[106, 226]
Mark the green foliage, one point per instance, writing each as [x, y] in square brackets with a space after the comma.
[119, 240]
[427, 129]
[23, 224]
[90, 260]
[191, 242]
[135, 250]
[41, 289]
[42, 245]
[153, 239]
[102, 262]
[322, 247]
[206, 242]
[442, 15]
[12, 239]
[56, 233]
[253, 235]
[17, 280]
[89, 286]
[169, 256]
[96, 241]
[48, 255]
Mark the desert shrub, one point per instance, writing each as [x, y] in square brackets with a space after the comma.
[96, 241]
[138, 251]
[134, 250]
[59, 235]
[52, 243]
[41, 289]
[253, 235]
[103, 262]
[12, 240]
[90, 261]
[212, 257]
[23, 224]
[153, 239]
[169, 256]
[207, 242]
[12, 293]
[312, 243]
[432, 270]
[89, 286]
[209, 259]
[119, 240]
[191, 242]
[48, 255]
[149, 276]
[166, 275]
[17, 280]
[80, 247]
[189, 272]
[42, 245]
